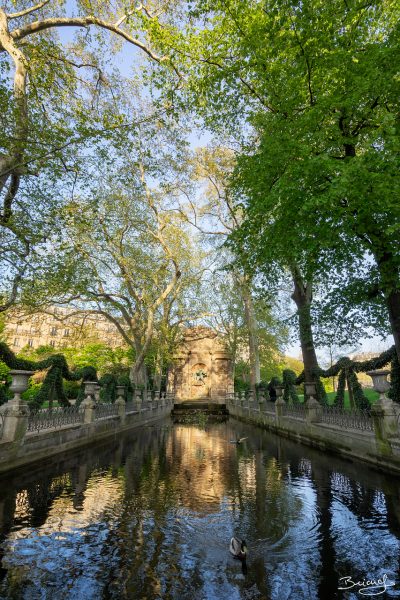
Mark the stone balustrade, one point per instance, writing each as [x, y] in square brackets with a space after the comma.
[27, 435]
[371, 435]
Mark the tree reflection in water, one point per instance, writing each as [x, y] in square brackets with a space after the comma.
[150, 516]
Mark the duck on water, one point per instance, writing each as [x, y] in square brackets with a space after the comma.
[238, 548]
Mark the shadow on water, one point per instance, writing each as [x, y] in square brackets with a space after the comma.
[150, 515]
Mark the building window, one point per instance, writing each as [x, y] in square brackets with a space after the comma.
[53, 331]
[52, 343]
[66, 332]
[30, 343]
[16, 342]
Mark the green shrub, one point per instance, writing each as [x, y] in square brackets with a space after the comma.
[31, 393]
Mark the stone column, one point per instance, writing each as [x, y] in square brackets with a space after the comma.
[313, 407]
[261, 400]
[97, 393]
[385, 413]
[138, 400]
[89, 403]
[242, 402]
[162, 400]
[250, 401]
[15, 412]
[149, 400]
[120, 402]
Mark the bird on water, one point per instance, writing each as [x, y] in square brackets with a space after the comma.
[238, 548]
[238, 440]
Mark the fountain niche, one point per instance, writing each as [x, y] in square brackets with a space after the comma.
[202, 369]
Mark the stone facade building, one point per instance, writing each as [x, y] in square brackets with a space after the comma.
[63, 327]
[202, 369]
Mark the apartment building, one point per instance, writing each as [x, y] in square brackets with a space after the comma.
[59, 328]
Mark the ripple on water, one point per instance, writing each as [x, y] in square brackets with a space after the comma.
[152, 517]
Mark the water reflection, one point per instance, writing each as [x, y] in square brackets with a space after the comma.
[150, 516]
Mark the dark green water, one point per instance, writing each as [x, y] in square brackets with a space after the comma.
[150, 516]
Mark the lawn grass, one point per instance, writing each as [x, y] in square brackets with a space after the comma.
[369, 393]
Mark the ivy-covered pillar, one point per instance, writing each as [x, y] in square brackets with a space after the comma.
[16, 411]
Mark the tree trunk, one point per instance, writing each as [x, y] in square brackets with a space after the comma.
[138, 372]
[387, 263]
[302, 296]
[251, 322]
[138, 375]
[393, 304]
[158, 371]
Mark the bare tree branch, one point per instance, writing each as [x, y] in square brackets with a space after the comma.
[27, 11]
[19, 34]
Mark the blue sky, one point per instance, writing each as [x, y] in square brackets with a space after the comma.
[126, 60]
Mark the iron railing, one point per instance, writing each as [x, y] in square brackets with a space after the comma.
[347, 419]
[104, 410]
[269, 407]
[294, 410]
[54, 418]
[130, 407]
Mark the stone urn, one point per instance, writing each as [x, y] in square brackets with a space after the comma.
[90, 391]
[90, 387]
[97, 393]
[381, 385]
[20, 383]
[121, 392]
[379, 381]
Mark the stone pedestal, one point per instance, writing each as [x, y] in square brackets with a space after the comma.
[313, 410]
[89, 403]
[252, 401]
[279, 404]
[385, 415]
[261, 401]
[15, 412]
[138, 400]
[120, 403]
[89, 408]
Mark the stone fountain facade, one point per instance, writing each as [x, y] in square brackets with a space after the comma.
[202, 368]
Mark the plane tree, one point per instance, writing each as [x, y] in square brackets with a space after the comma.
[313, 86]
[56, 79]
